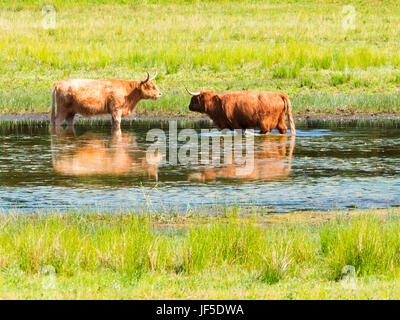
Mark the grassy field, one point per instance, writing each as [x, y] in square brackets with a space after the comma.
[312, 255]
[299, 47]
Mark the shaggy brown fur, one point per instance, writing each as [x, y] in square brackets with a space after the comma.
[93, 97]
[245, 110]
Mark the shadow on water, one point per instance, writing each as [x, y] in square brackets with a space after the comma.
[328, 165]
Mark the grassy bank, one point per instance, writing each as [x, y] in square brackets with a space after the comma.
[316, 255]
[299, 47]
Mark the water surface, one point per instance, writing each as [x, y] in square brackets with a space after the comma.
[329, 165]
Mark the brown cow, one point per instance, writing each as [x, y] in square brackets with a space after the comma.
[245, 109]
[93, 97]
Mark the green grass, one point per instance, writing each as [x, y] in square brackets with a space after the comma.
[94, 255]
[299, 47]
[338, 79]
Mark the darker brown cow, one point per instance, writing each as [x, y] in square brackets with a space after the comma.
[93, 97]
[245, 109]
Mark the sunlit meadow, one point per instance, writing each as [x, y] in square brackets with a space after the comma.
[299, 47]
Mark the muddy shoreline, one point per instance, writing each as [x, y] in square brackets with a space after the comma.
[46, 116]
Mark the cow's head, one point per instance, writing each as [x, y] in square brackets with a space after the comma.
[200, 100]
[148, 89]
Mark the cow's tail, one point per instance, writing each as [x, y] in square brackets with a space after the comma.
[289, 113]
[53, 105]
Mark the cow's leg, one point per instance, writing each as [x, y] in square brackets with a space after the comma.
[265, 127]
[116, 119]
[57, 130]
[60, 132]
[61, 115]
[116, 134]
[70, 119]
[70, 130]
[70, 122]
[282, 123]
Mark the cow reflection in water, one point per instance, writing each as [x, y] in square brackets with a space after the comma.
[100, 154]
[272, 160]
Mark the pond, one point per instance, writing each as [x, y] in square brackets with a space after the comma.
[328, 165]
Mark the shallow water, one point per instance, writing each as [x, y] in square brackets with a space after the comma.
[329, 165]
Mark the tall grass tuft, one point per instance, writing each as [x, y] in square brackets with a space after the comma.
[340, 78]
[369, 243]
[236, 245]
[286, 71]
[75, 243]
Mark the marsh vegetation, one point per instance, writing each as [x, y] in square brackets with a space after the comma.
[94, 255]
[298, 47]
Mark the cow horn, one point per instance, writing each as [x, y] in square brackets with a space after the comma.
[153, 77]
[192, 93]
[145, 80]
